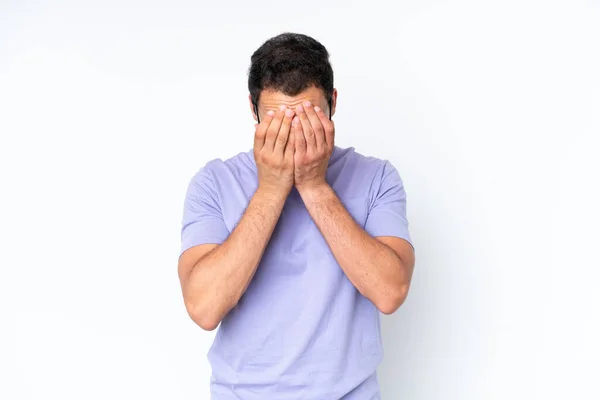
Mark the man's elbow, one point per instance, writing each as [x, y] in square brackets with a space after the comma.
[390, 303]
[207, 324]
[203, 318]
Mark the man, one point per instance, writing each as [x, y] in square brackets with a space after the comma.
[296, 246]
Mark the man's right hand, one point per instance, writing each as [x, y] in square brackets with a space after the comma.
[214, 277]
[274, 152]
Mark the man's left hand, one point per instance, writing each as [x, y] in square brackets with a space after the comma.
[314, 134]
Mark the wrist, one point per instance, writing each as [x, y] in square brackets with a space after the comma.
[314, 192]
[273, 195]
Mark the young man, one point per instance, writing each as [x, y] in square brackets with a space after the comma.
[296, 246]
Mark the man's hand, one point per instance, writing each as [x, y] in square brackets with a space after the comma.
[314, 135]
[274, 152]
[214, 277]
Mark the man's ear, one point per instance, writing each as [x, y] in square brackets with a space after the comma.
[333, 101]
[252, 108]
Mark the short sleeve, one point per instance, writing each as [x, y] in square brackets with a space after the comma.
[202, 218]
[387, 215]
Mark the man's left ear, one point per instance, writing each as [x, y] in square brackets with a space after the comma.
[333, 101]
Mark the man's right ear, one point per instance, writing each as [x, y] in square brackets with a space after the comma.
[252, 108]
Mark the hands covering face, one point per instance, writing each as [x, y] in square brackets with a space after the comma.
[293, 147]
[314, 135]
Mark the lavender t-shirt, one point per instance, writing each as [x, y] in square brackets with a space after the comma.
[301, 330]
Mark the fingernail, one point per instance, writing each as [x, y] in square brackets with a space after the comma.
[296, 120]
[282, 108]
[317, 108]
[307, 104]
[289, 113]
[299, 108]
[270, 113]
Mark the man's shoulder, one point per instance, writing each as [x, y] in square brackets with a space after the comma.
[219, 168]
[354, 174]
[358, 162]
[365, 159]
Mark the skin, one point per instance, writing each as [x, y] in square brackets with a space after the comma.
[292, 147]
[272, 100]
[214, 277]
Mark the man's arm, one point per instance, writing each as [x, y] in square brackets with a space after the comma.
[380, 268]
[214, 277]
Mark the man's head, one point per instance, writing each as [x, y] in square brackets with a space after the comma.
[289, 69]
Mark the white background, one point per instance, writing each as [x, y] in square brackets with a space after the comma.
[489, 110]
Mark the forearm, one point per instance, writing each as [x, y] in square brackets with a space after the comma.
[372, 267]
[220, 278]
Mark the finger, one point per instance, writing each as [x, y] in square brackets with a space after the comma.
[261, 130]
[316, 124]
[290, 147]
[307, 129]
[299, 140]
[328, 126]
[273, 129]
[284, 132]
